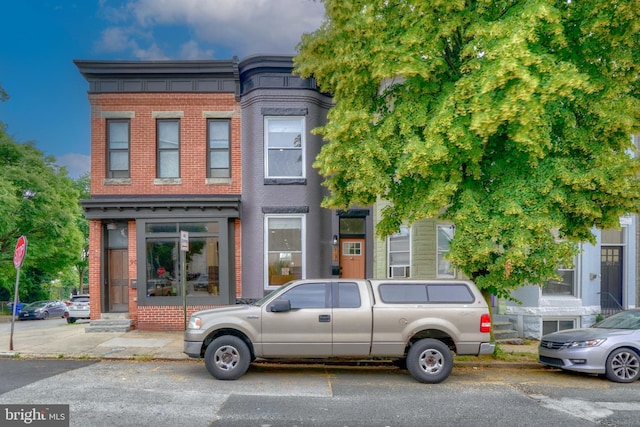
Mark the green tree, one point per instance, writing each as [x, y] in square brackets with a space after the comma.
[511, 119]
[37, 200]
[81, 266]
[4, 96]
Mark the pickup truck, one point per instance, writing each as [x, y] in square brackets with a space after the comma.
[419, 322]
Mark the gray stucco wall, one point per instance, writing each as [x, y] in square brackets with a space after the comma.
[258, 195]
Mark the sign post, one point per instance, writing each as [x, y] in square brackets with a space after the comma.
[184, 248]
[18, 257]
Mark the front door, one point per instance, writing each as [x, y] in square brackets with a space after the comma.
[118, 280]
[352, 258]
[611, 273]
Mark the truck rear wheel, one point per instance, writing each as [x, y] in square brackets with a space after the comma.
[227, 357]
[429, 361]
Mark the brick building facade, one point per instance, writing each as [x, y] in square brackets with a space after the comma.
[166, 158]
[222, 150]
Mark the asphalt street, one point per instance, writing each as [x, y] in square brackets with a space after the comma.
[130, 393]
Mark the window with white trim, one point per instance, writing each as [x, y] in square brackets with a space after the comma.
[399, 253]
[284, 241]
[285, 145]
[444, 236]
[565, 286]
[168, 133]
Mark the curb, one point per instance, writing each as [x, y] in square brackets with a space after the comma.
[353, 363]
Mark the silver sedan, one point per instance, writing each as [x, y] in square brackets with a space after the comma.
[610, 347]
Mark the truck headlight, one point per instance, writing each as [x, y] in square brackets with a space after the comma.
[194, 323]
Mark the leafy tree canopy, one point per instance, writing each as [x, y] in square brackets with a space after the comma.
[37, 200]
[511, 119]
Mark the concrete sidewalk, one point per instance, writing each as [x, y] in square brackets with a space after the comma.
[72, 342]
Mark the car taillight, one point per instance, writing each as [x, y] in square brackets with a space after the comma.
[485, 323]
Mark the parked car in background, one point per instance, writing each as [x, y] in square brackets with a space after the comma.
[202, 283]
[159, 287]
[42, 310]
[78, 309]
[610, 347]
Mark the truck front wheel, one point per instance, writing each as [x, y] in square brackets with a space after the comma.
[227, 357]
[429, 361]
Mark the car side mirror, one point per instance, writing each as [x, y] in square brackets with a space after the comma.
[280, 305]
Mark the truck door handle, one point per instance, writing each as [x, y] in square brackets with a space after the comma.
[323, 318]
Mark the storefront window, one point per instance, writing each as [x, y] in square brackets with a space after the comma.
[162, 263]
[163, 257]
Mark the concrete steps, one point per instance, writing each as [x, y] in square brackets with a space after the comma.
[503, 331]
[111, 322]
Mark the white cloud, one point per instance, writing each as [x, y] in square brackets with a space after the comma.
[76, 164]
[191, 50]
[114, 39]
[242, 27]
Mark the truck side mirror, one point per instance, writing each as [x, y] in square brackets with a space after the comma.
[280, 305]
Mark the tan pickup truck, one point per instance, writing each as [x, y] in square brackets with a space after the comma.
[420, 321]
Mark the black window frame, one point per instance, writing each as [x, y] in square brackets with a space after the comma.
[211, 151]
[120, 173]
[160, 150]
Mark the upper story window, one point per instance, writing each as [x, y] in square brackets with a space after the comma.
[399, 253]
[444, 237]
[168, 133]
[285, 142]
[218, 149]
[118, 148]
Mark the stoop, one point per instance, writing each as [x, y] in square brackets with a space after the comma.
[111, 322]
[503, 332]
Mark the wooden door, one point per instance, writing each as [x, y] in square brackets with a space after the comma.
[118, 280]
[352, 256]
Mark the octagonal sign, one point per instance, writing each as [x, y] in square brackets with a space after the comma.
[20, 252]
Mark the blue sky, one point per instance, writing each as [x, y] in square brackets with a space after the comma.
[48, 101]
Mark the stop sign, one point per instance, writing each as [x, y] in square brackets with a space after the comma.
[20, 252]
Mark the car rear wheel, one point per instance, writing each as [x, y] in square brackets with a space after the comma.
[71, 320]
[429, 361]
[227, 357]
[623, 366]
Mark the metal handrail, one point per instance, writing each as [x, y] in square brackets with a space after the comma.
[609, 304]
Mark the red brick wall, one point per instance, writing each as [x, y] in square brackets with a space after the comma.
[165, 318]
[193, 142]
[133, 272]
[95, 251]
[193, 174]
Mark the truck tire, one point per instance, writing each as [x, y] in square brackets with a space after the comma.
[227, 357]
[429, 361]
